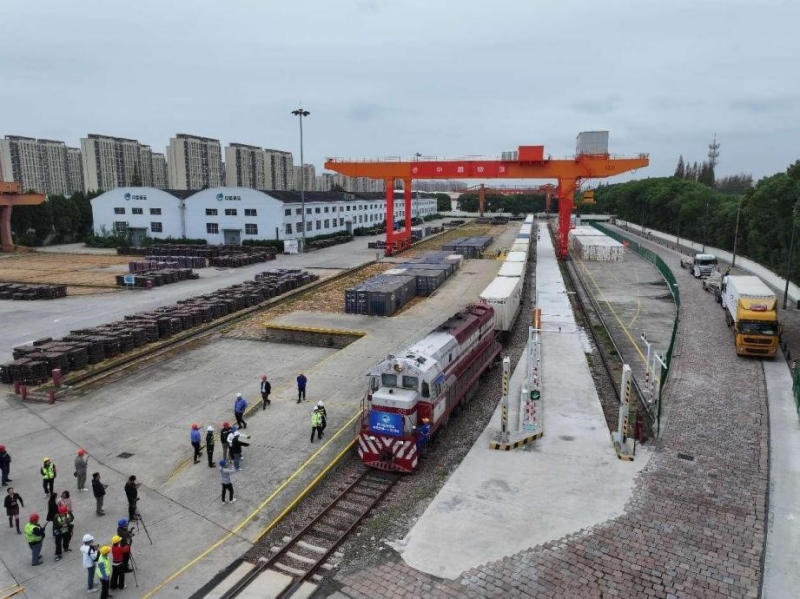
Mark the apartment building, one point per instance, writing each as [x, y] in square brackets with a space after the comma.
[159, 171]
[111, 162]
[42, 165]
[308, 172]
[75, 170]
[194, 162]
[352, 184]
[280, 169]
[245, 166]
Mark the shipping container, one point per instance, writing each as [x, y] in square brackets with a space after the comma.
[517, 257]
[504, 294]
[512, 269]
[599, 249]
[520, 247]
[592, 142]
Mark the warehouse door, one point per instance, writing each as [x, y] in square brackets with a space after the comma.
[233, 236]
[137, 236]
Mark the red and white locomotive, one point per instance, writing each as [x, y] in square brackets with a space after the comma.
[427, 380]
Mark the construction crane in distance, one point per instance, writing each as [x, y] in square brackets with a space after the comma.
[547, 190]
[11, 195]
[528, 163]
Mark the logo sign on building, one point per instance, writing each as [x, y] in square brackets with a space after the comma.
[227, 198]
[135, 196]
[386, 424]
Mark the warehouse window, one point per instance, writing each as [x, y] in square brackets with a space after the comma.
[212, 228]
[287, 212]
[316, 210]
[308, 210]
[156, 227]
[230, 211]
[319, 225]
[326, 210]
[250, 229]
[120, 226]
[341, 208]
[119, 210]
[300, 227]
[341, 222]
[327, 224]
[137, 211]
[250, 212]
[211, 211]
[288, 228]
[298, 211]
[155, 211]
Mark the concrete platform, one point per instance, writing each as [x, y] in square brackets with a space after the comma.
[148, 415]
[499, 503]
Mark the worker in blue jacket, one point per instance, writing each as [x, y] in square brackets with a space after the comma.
[423, 435]
[195, 438]
[239, 408]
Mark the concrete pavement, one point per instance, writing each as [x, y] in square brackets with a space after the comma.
[148, 415]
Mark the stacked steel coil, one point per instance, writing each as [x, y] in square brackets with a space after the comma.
[18, 291]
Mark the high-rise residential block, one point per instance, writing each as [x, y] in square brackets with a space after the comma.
[194, 162]
[41, 165]
[110, 162]
[159, 171]
[75, 170]
[245, 166]
[280, 168]
[308, 173]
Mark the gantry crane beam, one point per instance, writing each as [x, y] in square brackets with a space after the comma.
[530, 164]
[547, 190]
[11, 195]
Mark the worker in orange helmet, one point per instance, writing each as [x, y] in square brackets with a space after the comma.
[195, 438]
[81, 463]
[34, 535]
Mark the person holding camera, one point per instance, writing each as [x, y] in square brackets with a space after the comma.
[99, 490]
[126, 540]
[132, 493]
[90, 553]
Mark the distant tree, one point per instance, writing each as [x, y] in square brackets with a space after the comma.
[706, 174]
[337, 187]
[735, 184]
[442, 202]
[793, 172]
[680, 170]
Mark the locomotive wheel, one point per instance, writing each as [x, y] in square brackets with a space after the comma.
[728, 319]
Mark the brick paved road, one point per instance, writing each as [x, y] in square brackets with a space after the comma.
[692, 528]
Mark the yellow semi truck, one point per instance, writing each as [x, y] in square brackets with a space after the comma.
[751, 308]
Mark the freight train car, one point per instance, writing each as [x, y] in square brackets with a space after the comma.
[425, 381]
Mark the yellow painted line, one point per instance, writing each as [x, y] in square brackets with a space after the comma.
[178, 469]
[638, 300]
[11, 586]
[15, 592]
[616, 317]
[253, 514]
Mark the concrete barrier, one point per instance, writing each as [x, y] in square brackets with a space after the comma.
[318, 337]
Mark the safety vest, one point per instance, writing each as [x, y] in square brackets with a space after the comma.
[61, 523]
[316, 419]
[103, 567]
[49, 472]
[31, 537]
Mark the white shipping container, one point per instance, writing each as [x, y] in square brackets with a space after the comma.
[592, 142]
[512, 269]
[395, 271]
[582, 232]
[599, 249]
[529, 219]
[504, 294]
[524, 240]
[517, 257]
[526, 228]
[458, 259]
[520, 247]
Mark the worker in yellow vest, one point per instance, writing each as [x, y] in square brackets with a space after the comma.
[103, 570]
[48, 476]
[34, 535]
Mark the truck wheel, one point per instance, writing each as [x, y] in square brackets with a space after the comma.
[728, 319]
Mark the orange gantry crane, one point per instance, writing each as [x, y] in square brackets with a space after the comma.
[11, 195]
[529, 163]
[547, 190]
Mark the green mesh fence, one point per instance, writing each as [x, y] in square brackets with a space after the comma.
[665, 271]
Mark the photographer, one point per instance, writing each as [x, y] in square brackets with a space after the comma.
[132, 493]
[126, 540]
[90, 553]
[120, 554]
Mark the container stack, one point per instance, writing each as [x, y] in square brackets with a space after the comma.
[156, 278]
[18, 291]
[592, 245]
[469, 247]
[34, 363]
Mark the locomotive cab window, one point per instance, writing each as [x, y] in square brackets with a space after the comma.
[425, 390]
[389, 380]
[410, 382]
[374, 383]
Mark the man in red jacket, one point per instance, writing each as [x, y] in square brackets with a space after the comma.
[118, 554]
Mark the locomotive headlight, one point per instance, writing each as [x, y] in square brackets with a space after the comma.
[371, 438]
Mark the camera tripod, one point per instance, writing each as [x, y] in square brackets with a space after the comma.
[137, 520]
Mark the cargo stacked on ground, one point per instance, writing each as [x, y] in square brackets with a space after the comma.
[590, 244]
[385, 294]
[469, 247]
[19, 291]
[228, 256]
[35, 363]
[156, 278]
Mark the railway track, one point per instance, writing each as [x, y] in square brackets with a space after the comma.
[294, 569]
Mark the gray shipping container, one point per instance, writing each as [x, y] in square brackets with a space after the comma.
[592, 142]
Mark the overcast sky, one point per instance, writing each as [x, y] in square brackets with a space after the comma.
[396, 77]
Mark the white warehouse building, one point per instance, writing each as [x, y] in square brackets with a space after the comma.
[234, 214]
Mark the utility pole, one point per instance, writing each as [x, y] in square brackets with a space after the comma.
[302, 113]
[791, 251]
[736, 232]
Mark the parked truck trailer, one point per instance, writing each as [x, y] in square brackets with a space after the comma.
[751, 308]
